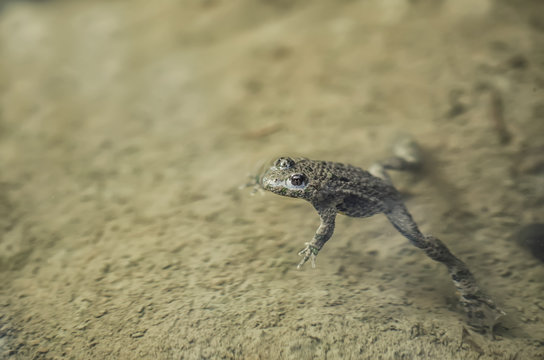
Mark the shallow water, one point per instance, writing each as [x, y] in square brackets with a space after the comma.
[126, 129]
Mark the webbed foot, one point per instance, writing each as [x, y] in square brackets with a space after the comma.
[482, 312]
[407, 149]
[308, 253]
[407, 157]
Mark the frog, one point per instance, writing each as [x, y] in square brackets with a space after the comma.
[336, 188]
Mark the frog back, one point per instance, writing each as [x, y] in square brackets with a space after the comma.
[355, 192]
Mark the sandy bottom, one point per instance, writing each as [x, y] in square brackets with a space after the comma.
[127, 127]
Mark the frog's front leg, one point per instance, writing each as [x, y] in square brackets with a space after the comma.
[323, 233]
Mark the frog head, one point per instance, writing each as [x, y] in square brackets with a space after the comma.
[287, 177]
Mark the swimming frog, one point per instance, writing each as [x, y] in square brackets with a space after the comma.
[335, 188]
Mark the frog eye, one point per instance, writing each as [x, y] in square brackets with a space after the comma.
[284, 163]
[298, 179]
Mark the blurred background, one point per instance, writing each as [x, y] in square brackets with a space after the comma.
[127, 128]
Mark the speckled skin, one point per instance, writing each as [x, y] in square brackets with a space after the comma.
[338, 188]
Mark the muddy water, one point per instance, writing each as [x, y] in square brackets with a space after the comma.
[126, 129]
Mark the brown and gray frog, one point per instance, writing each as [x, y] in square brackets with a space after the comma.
[335, 188]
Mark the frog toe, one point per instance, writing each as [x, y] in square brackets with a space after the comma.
[308, 253]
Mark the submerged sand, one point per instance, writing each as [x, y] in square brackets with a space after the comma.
[127, 127]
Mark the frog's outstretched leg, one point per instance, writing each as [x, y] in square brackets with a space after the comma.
[481, 310]
[323, 233]
[407, 157]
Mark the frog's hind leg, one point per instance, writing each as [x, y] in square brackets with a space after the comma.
[481, 310]
[407, 157]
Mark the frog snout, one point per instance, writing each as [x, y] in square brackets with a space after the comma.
[269, 181]
[265, 180]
